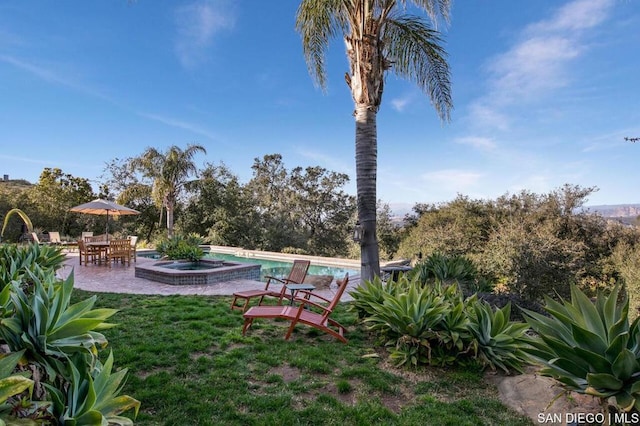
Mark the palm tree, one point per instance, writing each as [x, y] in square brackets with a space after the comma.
[379, 36]
[170, 172]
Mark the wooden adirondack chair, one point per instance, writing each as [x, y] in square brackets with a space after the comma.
[296, 276]
[303, 313]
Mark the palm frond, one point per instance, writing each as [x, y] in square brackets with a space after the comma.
[317, 22]
[435, 9]
[417, 54]
[22, 215]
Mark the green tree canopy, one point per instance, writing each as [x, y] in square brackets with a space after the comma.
[170, 171]
[54, 194]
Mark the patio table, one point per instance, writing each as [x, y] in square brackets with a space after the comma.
[295, 287]
[102, 248]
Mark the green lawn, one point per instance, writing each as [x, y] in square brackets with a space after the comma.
[189, 365]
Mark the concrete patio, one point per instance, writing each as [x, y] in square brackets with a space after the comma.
[120, 279]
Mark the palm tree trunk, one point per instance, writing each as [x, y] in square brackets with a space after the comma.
[366, 176]
[169, 219]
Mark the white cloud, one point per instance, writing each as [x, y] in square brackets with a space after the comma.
[532, 68]
[478, 142]
[483, 113]
[25, 159]
[453, 179]
[49, 75]
[538, 183]
[399, 104]
[539, 62]
[38, 71]
[327, 161]
[609, 141]
[197, 25]
[180, 125]
[576, 15]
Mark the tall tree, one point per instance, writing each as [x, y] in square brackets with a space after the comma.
[379, 36]
[121, 179]
[170, 171]
[269, 189]
[54, 194]
[320, 210]
[220, 209]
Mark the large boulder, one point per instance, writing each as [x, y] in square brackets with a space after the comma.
[319, 281]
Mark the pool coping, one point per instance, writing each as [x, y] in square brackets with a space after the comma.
[288, 257]
[282, 257]
[227, 271]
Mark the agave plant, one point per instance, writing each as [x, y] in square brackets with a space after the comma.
[22, 215]
[48, 326]
[453, 330]
[498, 341]
[12, 384]
[590, 347]
[92, 395]
[371, 293]
[436, 325]
[16, 390]
[407, 319]
[447, 270]
[15, 261]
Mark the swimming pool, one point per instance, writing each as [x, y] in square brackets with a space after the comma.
[274, 268]
[280, 269]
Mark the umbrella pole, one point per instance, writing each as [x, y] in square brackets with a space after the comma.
[107, 228]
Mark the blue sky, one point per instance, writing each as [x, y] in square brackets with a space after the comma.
[544, 92]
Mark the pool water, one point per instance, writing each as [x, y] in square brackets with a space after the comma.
[274, 268]
[279, 269]
[189, 266]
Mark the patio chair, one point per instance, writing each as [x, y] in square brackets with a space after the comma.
[119, 250]
[304, 313]
[54, 238]
[133, 239]
[296, 276]
[35, 238]
[87, 253]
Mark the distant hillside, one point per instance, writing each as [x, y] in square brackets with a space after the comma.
[626, 213]
[15, 184]
[617, 210]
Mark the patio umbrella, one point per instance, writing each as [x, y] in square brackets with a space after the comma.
[106, 207]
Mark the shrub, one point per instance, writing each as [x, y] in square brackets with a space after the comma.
[294, 250]
[15, 261]
[437, 325]
[626, 259]
[449, 269]
[590, 347]
[181, 247]
[58, 345]
[370, 294]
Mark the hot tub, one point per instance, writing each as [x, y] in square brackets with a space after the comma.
[205, 271]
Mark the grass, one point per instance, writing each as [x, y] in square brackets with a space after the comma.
[190, 365]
